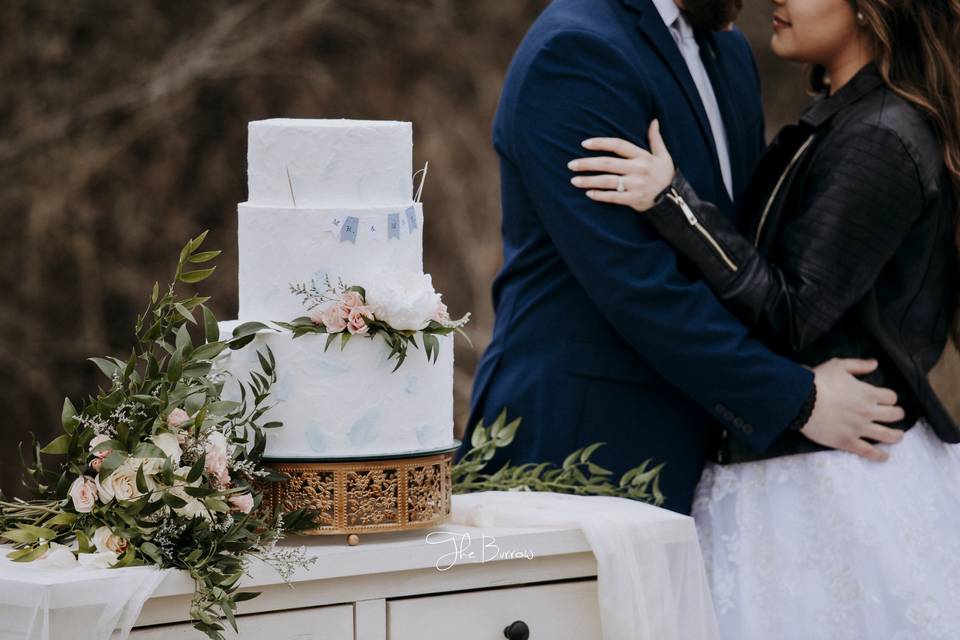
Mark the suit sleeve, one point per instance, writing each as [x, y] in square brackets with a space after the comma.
[580, 86]
[861, 196]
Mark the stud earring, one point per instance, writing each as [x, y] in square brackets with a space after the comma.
[860, 17]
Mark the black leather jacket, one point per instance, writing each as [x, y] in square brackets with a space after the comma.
[849, 250]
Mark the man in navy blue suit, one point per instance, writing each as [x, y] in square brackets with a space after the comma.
[602, 333]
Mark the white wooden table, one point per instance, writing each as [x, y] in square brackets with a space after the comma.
[448, 582]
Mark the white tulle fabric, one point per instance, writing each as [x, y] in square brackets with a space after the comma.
[831, 546]
[651, 582]
[39, 601]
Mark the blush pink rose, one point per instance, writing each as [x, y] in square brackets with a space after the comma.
[333, 319]
[357, 322]
[242, 502]
[316, 316]
[177, 418]
[83, 492]
[215, 464]
[98, 440]
[351, 300]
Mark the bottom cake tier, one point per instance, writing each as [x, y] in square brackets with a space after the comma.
[346, 403]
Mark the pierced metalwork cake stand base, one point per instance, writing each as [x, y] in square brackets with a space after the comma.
[367, 495]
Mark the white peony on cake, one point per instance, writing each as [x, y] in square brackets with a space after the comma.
[330, 235]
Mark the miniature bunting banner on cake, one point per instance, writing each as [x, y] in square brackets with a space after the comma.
[390, 226]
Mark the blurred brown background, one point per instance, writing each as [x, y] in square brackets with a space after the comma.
[123, 132]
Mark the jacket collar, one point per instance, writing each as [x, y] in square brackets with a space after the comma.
[825, 107]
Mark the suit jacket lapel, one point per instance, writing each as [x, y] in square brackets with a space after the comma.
[652, 28]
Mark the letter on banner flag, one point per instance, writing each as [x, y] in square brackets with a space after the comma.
[393, 226]
[349, 229]
[411, 219]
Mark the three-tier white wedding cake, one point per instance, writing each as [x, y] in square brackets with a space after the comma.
[331, 206]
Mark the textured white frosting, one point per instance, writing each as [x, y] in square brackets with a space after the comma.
[349, 403]
[283, 246]
[332, 163]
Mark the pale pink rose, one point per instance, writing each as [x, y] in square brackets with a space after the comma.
[105, 540]
[333, 319]
[177, 418]
[83, 492]
[316, 316]
[242, 502]
[216, 461]
[97, 440]
[96, 463]
[441, 315]
[357, 322]
[351, 300]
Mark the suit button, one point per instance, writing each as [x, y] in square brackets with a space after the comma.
[719, 408]
[748, 428]
[738, 422]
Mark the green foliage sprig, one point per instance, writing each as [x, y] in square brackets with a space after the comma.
[576, 475]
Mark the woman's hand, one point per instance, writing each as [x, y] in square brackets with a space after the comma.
[642, 174]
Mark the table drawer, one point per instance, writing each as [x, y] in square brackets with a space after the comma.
[320, 623]
[553, 610]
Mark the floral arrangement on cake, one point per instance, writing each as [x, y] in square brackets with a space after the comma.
[157, 468]
[394, 306]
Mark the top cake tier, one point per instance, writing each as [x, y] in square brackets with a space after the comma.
[329, 163]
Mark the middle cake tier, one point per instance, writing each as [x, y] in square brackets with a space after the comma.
[280, 247]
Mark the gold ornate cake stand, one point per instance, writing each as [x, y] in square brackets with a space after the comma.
[366, 495]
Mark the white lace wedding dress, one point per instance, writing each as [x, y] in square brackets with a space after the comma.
[831, 546]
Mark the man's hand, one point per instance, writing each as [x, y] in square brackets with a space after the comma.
[848, 410]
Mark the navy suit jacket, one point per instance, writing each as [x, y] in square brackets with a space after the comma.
[602, 333]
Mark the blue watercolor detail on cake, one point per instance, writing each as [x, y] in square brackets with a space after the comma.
[282, 389]
[424, 433]
[412, 386]
[364, 431]
[320, 368]
[317, 438]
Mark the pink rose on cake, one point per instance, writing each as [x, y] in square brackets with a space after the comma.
[332, 318]
[357, 322]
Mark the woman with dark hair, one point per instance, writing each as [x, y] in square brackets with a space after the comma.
[846, 248]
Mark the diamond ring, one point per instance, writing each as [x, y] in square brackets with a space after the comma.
[620, 186]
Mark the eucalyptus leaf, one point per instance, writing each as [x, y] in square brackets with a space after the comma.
[210, 327]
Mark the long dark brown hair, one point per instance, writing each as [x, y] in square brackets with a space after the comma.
[917, 50]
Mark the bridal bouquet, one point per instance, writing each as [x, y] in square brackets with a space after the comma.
[158, 468]
[389, 305]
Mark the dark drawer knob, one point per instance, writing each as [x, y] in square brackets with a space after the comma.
[517, 630]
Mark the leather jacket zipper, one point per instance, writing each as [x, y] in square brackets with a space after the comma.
[776, 189]
[678, 200]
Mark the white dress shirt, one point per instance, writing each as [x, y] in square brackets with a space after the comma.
[682, 33]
